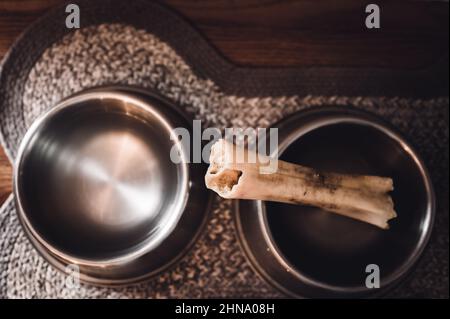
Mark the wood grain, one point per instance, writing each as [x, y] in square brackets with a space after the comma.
[285, 33]
[328, 33]
[5, 177]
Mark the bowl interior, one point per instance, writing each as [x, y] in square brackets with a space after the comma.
[96, 180]
[335, 250]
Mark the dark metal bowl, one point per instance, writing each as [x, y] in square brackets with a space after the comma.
[95, 186]
[307, 252]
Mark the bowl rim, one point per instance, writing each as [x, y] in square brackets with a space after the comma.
[147, 244]
[349, 115]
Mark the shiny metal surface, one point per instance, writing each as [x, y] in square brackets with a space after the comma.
[95, 186]
[307, 252]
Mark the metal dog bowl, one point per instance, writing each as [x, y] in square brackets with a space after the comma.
[95, 186]
[307, 252]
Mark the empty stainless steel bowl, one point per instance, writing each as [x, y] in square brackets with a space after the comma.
[95, 186]
[307, 252]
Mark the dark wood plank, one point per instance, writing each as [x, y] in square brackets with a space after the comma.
[16, 15]
[286, 33]
[304, 33]
[5, 177]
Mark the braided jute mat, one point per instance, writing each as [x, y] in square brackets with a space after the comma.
[149, 46]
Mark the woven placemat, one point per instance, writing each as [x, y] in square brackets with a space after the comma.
[149, 46]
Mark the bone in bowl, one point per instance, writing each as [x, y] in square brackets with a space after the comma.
[306, 251]
[95, 186]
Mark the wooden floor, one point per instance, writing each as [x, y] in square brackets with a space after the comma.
[413, 34]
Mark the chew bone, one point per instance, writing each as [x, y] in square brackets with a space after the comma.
[232, 175]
